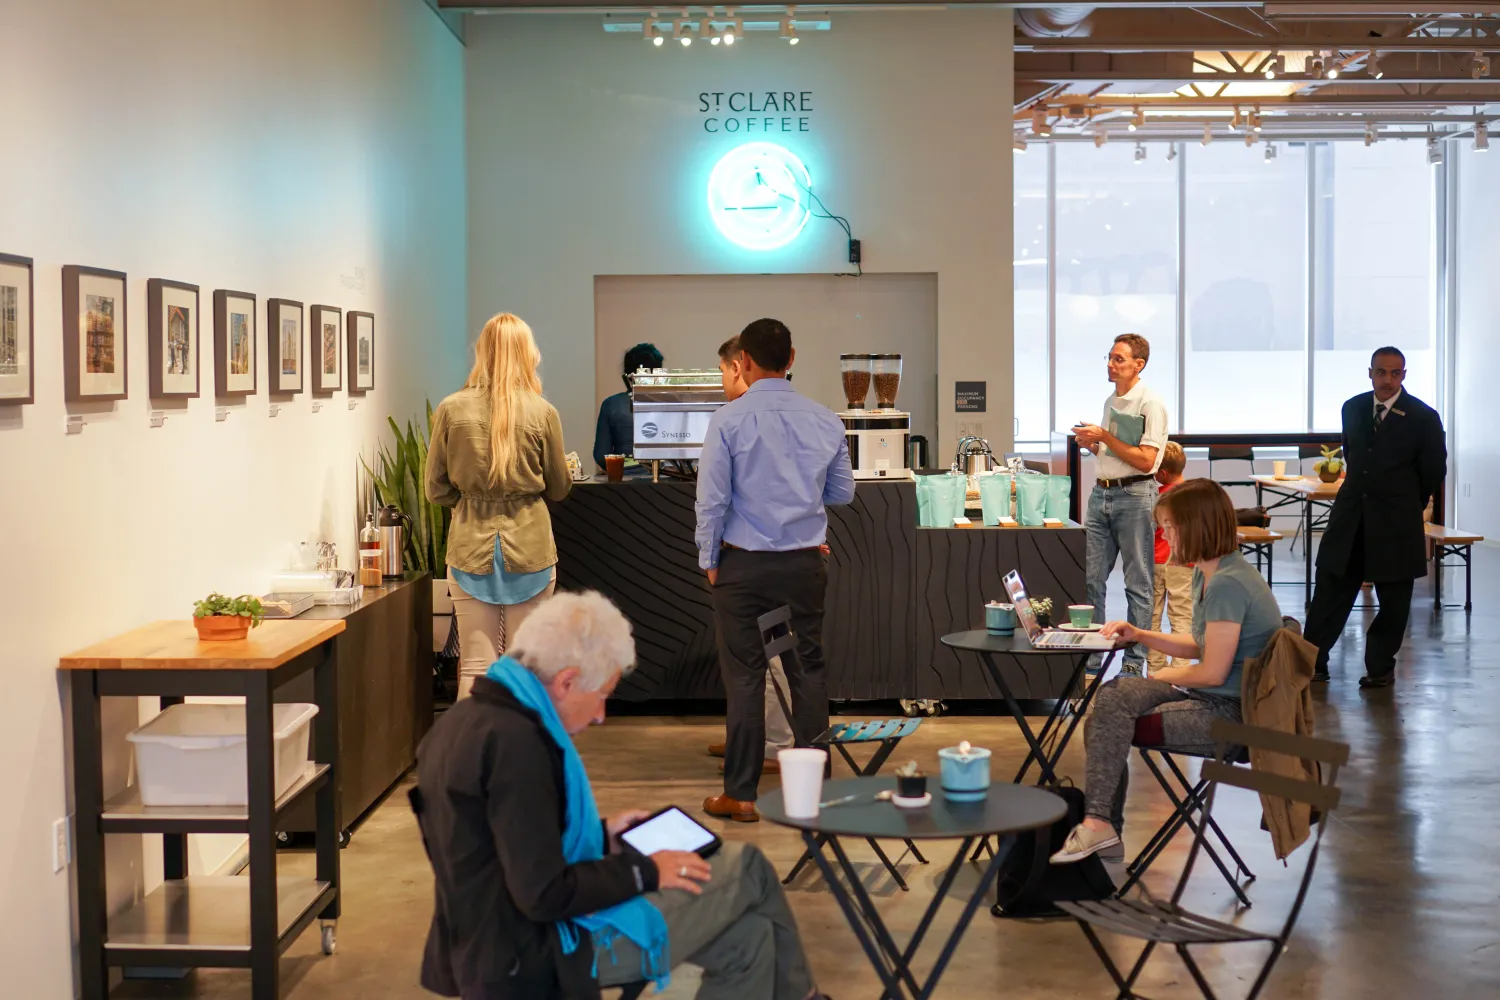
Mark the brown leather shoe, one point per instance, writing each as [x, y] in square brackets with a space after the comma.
[768, 766]
[724, 807]
[716, 749]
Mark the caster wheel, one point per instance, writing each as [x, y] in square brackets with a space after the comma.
[330, 941]
[344, 836]
[283, 838]
[910, 709]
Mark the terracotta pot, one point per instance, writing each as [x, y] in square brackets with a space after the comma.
[222, 628]
[1328, 477]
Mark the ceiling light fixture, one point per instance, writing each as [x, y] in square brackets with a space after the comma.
[1276, 66]
[1270, 151]
[1481, 66]
[789, 27]
[1434, 151]
[1255, 124]
[680, 32]
[1171, 152]
[733, 31]
[1333, 65]
[1018, 145]
[1315, 67]
[1250, 138]
[1039, 124]
[1140, 153]
[1208, 133]
[1372, 66]
[1370, 135]
[1137, 120]
[1481, 138]
[1100, 138]
[706, 30]
[1237, 120]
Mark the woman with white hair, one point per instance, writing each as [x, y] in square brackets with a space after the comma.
[536, 895]
[496, 456]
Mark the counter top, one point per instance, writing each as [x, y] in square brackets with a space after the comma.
[174, 645]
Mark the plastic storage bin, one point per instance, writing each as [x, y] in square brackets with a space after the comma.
[194, 755]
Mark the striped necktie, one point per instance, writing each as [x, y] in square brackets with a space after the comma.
[1380, 412]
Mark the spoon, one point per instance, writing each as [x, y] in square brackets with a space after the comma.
[884, 796]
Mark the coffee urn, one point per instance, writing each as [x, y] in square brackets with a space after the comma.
[393, 525]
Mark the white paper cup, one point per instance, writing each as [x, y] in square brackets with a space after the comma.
[802, 780]
[1279, 468]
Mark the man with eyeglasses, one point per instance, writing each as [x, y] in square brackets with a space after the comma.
[1119, 522]
[1396, 456]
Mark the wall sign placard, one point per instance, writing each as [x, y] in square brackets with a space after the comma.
[751, 111]
[758, 195]
[969, 397]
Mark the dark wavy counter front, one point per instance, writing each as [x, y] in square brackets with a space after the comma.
[893, 590]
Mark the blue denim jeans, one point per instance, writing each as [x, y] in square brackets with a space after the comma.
[1119, 524]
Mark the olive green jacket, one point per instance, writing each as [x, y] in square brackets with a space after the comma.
[515, 510]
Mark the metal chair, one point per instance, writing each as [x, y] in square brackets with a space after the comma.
[1167, 923]
[1231, 453]
[883, 734]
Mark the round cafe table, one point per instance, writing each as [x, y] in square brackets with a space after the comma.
[1008, 810]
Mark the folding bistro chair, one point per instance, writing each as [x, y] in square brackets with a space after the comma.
[883, 734]
[1167, 923]
[1231, 453]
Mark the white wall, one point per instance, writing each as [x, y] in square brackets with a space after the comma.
[1473, 447]
[588, 156]
[306, 151]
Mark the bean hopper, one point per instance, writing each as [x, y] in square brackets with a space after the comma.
[878, 438]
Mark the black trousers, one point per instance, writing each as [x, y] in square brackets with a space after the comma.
[1334, 595]
[750, 585]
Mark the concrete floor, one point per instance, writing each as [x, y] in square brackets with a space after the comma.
[1405, 902]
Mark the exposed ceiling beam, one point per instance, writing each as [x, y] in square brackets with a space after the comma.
[1122, 46]
[1214, 79]
[1332, 102]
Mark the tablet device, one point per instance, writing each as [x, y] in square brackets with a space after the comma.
[671, 830]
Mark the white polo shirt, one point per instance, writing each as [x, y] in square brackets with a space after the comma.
[1137, 418]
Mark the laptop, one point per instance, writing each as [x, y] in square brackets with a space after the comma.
[1047, 638]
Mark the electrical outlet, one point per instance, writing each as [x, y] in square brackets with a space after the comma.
[62, 845]
[856, 253]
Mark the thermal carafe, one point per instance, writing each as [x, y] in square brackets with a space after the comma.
[393, 525]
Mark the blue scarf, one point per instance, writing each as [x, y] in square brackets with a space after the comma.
[583, 840]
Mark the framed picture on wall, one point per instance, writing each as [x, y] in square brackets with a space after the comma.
[94, 334]
[234, 343]
[172, 341]
[284, 344]
[361, 351]
[325, 324]
[17, 330]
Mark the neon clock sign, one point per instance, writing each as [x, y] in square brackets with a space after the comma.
[758, 196]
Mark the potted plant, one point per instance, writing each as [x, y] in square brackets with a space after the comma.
[1042, 608]
[221, 618]
[1331, 466]
[911, 783]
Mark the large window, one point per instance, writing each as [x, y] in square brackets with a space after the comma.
[1376, 284]
[1116, 270]
[1246, 277]
[1292, 266]
[1033, 383]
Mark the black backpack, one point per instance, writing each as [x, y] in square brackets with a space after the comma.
[1031, 886]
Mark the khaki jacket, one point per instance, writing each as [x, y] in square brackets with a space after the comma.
[1275, 694]
[458, 476]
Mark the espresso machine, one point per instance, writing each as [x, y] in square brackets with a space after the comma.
[879, 439]
[670, 410]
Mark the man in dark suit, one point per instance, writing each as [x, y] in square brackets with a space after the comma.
[1396, 457]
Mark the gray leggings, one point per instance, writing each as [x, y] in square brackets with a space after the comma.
[1110, 727]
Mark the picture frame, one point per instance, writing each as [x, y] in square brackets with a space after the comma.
[285, 356]
[361, 330]
[96, 334]
[325, 328]
[173, 343]
[234, 343]
[17, 330]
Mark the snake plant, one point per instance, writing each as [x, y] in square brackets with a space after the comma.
[399, 480]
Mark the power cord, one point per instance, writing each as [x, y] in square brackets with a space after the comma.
[856, 256]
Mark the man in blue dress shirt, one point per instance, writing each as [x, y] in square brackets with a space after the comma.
[772, 461]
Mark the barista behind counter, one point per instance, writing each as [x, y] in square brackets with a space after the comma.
[614, 432]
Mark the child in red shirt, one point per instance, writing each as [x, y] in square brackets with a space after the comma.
[1173, 589]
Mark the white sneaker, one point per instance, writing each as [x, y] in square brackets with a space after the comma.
[1081, 843]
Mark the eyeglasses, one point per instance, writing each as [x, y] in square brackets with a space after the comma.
[1118, 359]
[1392, 372]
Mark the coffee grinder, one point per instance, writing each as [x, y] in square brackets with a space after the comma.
[878, 439]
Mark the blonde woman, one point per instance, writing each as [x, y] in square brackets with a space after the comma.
[496, 457]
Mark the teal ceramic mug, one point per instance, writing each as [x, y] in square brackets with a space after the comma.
[1081, 615]
[1000, 619]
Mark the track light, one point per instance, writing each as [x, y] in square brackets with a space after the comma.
[1100, 138]
[1171, 152]
[1315, 67]
[1208, 134]
[1434, 151]
[1276, 67]
[733, 31]
[706, 31]
[1270, 151]
[680, 32]
[1250, 138]
[1372, 66]
[1255, 124]
[1481, 138]
[1370, 135]
[1137, 120]
[1140, 153]
[1237, 120]
[1480, 67]
[1018, 145]
[1333, 65]
[789, 30]
[1039, 124]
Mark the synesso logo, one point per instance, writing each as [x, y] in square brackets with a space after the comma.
[649, 430]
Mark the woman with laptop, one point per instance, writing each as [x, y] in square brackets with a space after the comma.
[1234, 616]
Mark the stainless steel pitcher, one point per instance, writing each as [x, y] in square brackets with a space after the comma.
[393, 525]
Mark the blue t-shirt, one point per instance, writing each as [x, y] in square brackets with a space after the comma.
[1236, 593]
[614, 434]
[500, 587]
